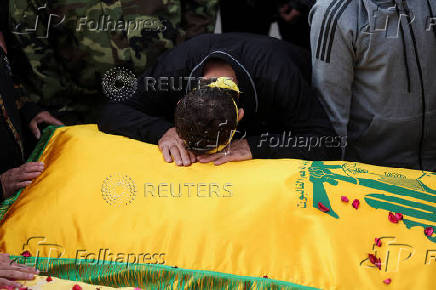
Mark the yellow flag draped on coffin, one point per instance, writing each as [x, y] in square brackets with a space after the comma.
[108, 210]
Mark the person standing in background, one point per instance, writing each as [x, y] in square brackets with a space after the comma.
[374, 64]
[291, 16]
[16, 139]
[62, 48]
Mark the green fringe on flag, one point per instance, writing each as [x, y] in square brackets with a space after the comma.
[148, 276]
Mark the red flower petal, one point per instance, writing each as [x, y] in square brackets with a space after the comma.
[399, 216]
[356, 203]
[26, 254]
[372, 258]
[322, 207]
[344, 198]
[378, 263]
[378, 242]
[77, 287]
[266, 277]
[48, 279]
[429, 231]
[393, 218]
[387, 281]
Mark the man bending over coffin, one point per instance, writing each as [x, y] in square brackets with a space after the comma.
[228, 97]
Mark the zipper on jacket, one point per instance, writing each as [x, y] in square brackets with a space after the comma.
[406, 63]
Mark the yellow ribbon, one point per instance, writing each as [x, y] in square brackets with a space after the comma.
[225, 83]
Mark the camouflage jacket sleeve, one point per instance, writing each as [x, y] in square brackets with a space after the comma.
[199, 16]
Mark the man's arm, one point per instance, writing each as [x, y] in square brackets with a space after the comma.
[307, 131]
[298, 127]
[130, 120]
[198, 16]
[333, 60]
[148, 116]
[144, 115]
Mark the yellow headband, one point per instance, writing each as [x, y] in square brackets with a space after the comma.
[225, 83]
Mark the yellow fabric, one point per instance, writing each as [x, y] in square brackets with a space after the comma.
[40, 282]
[252, 218]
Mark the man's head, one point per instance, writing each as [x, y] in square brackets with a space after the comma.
[207, 117]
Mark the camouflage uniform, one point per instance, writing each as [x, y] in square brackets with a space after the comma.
[76, 41]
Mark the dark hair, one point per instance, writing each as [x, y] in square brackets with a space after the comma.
[206, 117]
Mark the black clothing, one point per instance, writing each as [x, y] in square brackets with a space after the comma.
[258, 15]
[247, 16]
[11, 123]
[4, 15]
[272, 76]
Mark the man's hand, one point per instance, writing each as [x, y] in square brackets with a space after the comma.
[42, 117]
[11, 271]
[17, 178]
[238, 150]
[173, 148]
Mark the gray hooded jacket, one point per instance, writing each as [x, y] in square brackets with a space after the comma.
[375, 65]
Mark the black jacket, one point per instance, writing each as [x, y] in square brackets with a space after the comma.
[4, 15]
[12, 119]
[273, 77]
